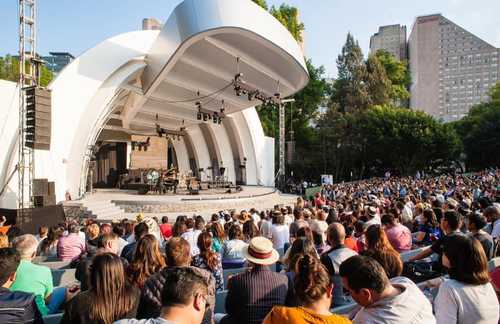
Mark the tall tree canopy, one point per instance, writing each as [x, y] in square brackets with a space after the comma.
[398, 73]
[261, 3]
[377, 82]
[350, 92]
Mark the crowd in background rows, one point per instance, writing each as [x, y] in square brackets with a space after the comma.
[341, 246]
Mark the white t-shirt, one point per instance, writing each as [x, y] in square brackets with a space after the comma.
[461, 303]
[279, 235]
[495, 233]
[192, 237]
[265, 229]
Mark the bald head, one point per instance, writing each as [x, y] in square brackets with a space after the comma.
[336, 234]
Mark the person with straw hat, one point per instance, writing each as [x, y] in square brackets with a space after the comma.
[252, 294]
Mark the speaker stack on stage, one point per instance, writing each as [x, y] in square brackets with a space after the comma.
[38, 118]
[43, 193]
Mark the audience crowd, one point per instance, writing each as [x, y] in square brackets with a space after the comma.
[307, 263]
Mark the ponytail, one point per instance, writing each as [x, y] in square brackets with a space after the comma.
[311, 281]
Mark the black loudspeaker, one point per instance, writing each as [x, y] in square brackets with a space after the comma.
[143, 190]
[38, 118]
[194, 192]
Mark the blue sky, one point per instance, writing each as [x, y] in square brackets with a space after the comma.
[74, 26]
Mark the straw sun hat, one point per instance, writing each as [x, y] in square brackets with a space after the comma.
[260, 251]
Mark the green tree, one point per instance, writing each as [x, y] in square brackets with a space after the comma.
[9, 70]
[399, 75]
[289, 17]
[350, 92]
[377, 82]
[261, 3]
[494, 93]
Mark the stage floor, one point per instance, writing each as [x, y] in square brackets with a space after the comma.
[109, 204]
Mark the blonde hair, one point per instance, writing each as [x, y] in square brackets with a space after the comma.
[93, 230]
[26, 245]
[4, 241]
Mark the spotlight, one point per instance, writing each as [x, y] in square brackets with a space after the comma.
[215, 119]
[198, 116]
[205, 117]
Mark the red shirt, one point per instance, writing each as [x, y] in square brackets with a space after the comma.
[166, 230]
[351, 243]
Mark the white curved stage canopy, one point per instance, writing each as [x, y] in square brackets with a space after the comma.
[130, 83]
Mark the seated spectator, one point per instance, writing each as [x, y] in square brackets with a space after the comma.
[165, 228]
[428, 229]
[48, 246]
[218, 236]
[119, 230]
[36, 279]
[140, 230]
[70, 247]
[178, 255]
[233, 247]
[314, 292]
[183, 299]
[319, 225]
[191, 235]
[251, 295]
[179, 228]
[265, 225]
[279, 231]
[107, 244]
[382, 301]
[399, 235]
[92, 238]
[333, 258]
[250, 231]
[4, 241]
[42, 233]
[475, 225]
[109, 297]
[350, 241]
[379, 248]
[209, 260]
[468, 296]
[15, 306]
[147, 261]
[450, 224]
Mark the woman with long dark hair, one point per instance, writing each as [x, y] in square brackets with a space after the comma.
[48, 246]
[147, 260]
[428, 230]
[209, 260]
[109, 297]
[250, 230]
[379, 248]
[468, 296]
[218, 236]
[314, 292]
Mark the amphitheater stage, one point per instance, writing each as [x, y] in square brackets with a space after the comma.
[112, 204]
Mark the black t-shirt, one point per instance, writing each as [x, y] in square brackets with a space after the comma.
[438, 248]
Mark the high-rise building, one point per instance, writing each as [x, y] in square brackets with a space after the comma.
[451, 68]
[391, 38]
[56, 61]
[151, 24]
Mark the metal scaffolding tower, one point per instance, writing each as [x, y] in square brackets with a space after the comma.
[28, 77]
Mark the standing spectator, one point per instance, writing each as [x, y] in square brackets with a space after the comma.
[468, 296]
[265, 225]
[15, 306]
[109, 297]
[279, 231]
[252, 294]
[475, 225]
[165, 228]
[333, 258]
[218, 236]
[140, 230]
[70, 247]
[147, 261]
[233, 247]
[428, 230]
[36, 279]
[183, 298]
[48, 246]
[314, 292]
[399, 235]
[178, 255]
[379, 248]
[209, 260]
[382, 301]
